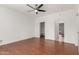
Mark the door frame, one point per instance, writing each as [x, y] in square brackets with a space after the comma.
[57, 22]
[40, 29]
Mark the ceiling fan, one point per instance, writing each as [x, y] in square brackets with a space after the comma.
[36, 8]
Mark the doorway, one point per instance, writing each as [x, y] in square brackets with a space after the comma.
[59, 31]
[42, 30]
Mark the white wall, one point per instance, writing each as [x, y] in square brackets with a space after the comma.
[14, 26]
[68, 17]
[48, 24]
[77, 22]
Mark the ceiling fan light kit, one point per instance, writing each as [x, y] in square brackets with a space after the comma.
[37, 8]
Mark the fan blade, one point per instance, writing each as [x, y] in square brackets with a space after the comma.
[30, 6]
[42, 10]
[40, 6]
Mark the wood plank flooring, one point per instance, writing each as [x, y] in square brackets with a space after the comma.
[36, 46]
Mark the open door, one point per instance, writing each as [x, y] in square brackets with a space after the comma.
[42, 30]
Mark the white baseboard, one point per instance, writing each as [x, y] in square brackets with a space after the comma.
[9, 42]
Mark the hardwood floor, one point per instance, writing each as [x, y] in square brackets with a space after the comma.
[36, 46]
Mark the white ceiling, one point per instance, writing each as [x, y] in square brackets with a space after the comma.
[50, 8]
